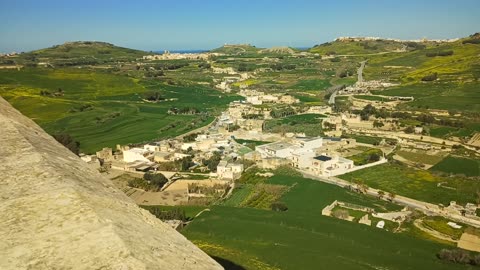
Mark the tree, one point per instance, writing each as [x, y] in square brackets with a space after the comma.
[367, 111]
[156, 180]
[378, 124]
[409, 129]
[213, 161]
[67, 141]
[242, 67]
[380, 193]
[152, 96]
[374, 157]
[186, 163]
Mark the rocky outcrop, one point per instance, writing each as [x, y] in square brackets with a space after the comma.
[57, 213]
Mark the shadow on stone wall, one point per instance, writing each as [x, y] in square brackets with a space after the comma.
[228, 265]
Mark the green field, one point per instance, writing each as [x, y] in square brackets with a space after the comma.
[458, 165]
[441, 131]
[310, 124]
[366, 156]
[311, 84]
[367, 139]
[440, 224]
[456, 86]
[439, 95]
[250, 142]
[301, 238]
[420, 156]
[117, 114]
[417, 184]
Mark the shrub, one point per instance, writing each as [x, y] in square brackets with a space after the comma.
[457, 256]
[279, 206]
[67, 141]
[156, 180]
[409, 129]
[440, 53]
[152, 96]
[471, 41]
[430, 77]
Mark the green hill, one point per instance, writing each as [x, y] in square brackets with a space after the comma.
[351, 46]
[78, 53]
[236, 49]
[444, 76]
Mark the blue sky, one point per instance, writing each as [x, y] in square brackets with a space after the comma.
[189, 24]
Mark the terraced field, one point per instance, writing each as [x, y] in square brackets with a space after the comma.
[458, 165]
[301, 238]
[417, 184]
[455, 87]
[115, 112]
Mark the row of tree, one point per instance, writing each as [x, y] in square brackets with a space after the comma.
[459, 256]
[173, 214]
[67, 141]
[184, 110]
[280, 66]
[370, 110]
[150, 182]
[183, 164]
[283, 112]
[439, 53]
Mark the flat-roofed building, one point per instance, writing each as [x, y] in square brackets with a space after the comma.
[136, 154]
[330, 166]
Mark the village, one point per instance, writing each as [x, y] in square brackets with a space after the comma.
[202, 166]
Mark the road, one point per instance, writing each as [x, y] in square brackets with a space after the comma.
[198, 130]
[427, 208]
[331, 100]
[417, 137]
[360, 71]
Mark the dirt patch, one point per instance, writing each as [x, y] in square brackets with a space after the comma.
[469, 242]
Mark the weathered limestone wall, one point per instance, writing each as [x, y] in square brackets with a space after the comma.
[57, 213]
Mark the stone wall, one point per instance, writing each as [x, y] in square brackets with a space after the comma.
[58, 213]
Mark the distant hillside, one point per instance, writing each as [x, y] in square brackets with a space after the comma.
[278, 50]
[236, 49]
[452, 62]
[80, 52]
[442, 76]
[350, 46]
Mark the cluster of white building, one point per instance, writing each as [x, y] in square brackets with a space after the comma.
[258, 98]
[395, 39]
[178, 56]
[149, 156]
[316, 155]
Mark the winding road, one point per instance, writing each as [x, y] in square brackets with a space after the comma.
[331, 100]
[360, 71]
